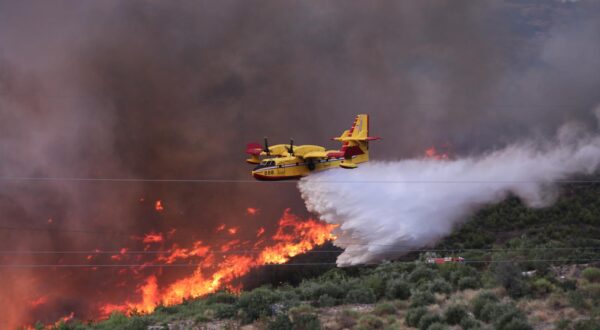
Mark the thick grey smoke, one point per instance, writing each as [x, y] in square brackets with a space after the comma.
[174, 89]
[385, 209]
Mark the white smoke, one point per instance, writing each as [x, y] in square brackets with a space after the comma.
[387, 208]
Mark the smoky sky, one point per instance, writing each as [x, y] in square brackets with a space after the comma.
[155, 89]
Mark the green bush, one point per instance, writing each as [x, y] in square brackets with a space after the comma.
[421, 273]
[429, 319]
[509, 276]
[440, 286]
[592, 274]
[326, 301]
[468, 282]
[480, 301]
[590, 324]
[508, 317]
[377, 284]
[422, 298]
[115, 321]
[577, 300]
[334, 290]
[592, 290]
[437, 326]
[368, 321]
[515, 324]
[455, 314]
[360, 296]
[306, 322]
[568, 285]
[563, 324]
[469, 323]
[492, 311]
[542, 287]
[256, 303]
[167, 309]
[281, 322]
[223, 311]
[384, 308]
[414, 315]
[304, 318]
[221, 297]
[398, 289]
[347, 318]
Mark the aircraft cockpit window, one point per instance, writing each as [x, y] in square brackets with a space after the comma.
[265, 163]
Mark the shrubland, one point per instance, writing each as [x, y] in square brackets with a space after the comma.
[524, 269]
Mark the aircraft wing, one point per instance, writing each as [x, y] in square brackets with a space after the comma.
[315, 154]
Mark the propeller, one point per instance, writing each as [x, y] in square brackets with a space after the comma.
[266, 150]
[290, 149]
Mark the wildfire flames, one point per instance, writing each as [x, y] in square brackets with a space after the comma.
[211, 266]
[158, 206]
[433, 153]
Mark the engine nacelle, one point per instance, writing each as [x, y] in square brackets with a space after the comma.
[348, 164]
[253, 160]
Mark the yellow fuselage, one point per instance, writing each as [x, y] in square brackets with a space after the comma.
[291, 167]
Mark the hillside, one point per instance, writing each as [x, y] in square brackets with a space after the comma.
[524, 269]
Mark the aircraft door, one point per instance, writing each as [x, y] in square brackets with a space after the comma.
[280, 170]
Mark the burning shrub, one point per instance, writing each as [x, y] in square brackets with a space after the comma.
[360, 295]
[398, 289]
[256, 304]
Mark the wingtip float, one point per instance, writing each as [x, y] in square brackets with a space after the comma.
[289, 162]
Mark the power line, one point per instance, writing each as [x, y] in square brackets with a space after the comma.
[256, 251]
[216, 180]
[276, 265]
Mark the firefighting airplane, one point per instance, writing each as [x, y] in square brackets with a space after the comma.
[287, 162]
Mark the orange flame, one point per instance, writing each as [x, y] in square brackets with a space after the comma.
[153, 238]
[251, 211]
[65, 319]
[158, 206]
[433, 153]
[39, 301]
[215, 270]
